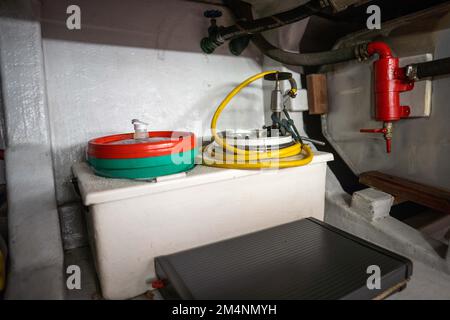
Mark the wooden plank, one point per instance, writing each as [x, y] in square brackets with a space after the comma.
[317, 93]
[431, 197]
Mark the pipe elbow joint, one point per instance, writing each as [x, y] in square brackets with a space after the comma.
[380, 48]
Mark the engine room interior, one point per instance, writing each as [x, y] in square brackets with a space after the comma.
[224, 150]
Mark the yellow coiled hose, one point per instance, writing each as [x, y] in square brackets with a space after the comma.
[293, 156]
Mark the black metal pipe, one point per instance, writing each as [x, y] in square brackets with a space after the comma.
[309, 59]
[434, 68]
[243, 10]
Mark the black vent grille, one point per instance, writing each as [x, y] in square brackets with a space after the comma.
[305, 259]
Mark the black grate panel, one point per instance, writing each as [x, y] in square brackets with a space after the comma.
[305, 259]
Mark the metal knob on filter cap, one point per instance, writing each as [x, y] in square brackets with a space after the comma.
[140, 129]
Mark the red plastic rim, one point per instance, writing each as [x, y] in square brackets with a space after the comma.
[102, 148]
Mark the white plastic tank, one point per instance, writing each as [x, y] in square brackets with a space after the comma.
[131, 222]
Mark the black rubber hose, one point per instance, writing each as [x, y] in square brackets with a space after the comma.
[247, 27]
[429, 69]
[254, 26]
[243, 10]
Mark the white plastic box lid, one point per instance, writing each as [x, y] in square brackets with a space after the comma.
[95, 189]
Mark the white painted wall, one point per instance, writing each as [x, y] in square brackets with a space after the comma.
[137, 59]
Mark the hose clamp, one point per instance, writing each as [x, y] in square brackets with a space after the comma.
[361, 52]
[411, 72]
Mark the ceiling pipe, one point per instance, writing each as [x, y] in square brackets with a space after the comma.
[217, 35]
[243, 10]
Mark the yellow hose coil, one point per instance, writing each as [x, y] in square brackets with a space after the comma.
[246, 159]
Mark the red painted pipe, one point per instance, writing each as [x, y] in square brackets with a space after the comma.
[380, 48]
[390, 81]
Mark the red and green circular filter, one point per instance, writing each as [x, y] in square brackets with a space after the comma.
[162, 153]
